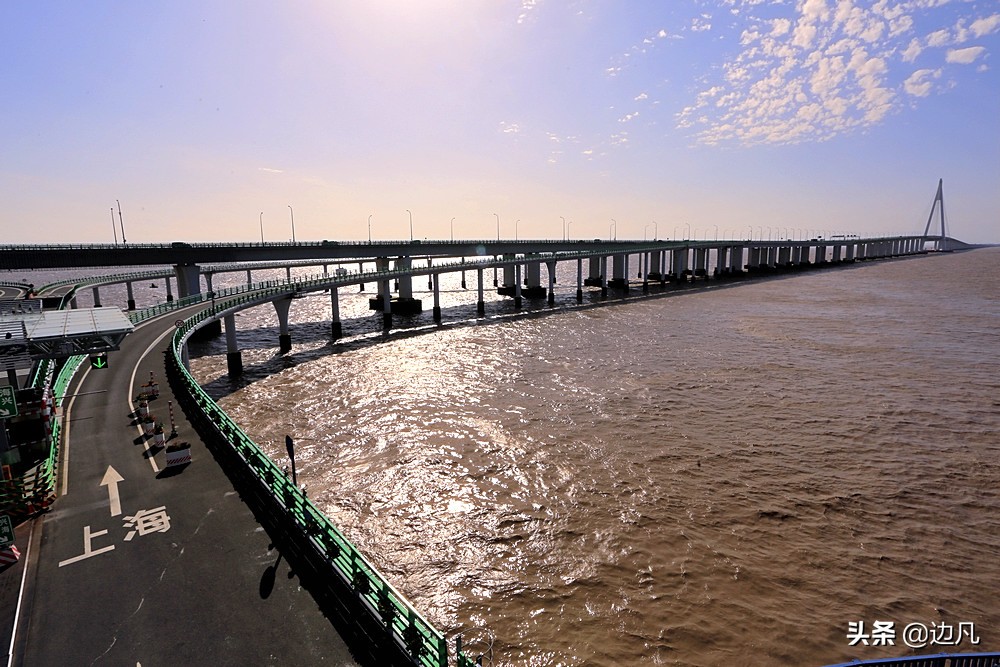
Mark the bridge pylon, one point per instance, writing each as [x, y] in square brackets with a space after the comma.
[938, 205]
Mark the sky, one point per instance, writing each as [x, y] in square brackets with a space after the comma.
[211, 120]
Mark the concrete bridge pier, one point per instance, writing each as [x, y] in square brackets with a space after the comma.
[480, 303]
[188, 279]
[437, 297]
[361, 269]
[430, 280]
[337, 330]
[595, 274]
[550, 267]
[386, 304]
[654, 270]
[517, 287]
[679, 262]
[234, 358]
[736, 259]
[208, 282]
[281, 306]
[533, 280]
[97, 297]
[701, 262]
[619, 272]
[579, 280]
[645, 272]
[721, 261]
[849, 252]
[249, 278]
[463, 278]
[170, 294]
[288, 273]
[837, 249]
[785, 256]
[604, 273]
[406, 304]
[131, 297]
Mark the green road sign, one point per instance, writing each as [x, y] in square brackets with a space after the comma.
[98, 361]
[6, 531]
[8, 403]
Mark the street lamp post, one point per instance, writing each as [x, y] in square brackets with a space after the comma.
[370, 228]
[262, 226]
[411, 225]
[515, 228]
[292, 213]
[453, 229]
[564, 228]
[613, 228]
[656, 230]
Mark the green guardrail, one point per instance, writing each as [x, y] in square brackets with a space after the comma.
[412, 632]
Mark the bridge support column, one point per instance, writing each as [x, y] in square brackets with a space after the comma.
[850, 250]
[208, 282]
[480, 303]
[234, 358]
[619, 272]
[837, 249]
[131, 297]
[249, 278]
[721, 260]
[188, 279]
[736, 259]
[430, 282]
[281, 306]
[463, 277]
[551, 267]
[533, 279]
[679, 262]
[645, 272]
[97, 297]
[337, 330]
[604, 277]
[701, 262]
[437, 297]
[404, 284]
[517, 287]
[579, 279]
[386, 304]
[288, 273]
[170, 294]
[784, 256]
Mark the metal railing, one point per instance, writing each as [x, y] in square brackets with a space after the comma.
[409, 630]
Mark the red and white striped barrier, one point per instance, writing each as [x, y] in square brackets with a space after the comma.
[9, 556]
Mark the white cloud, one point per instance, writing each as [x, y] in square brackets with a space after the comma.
[271, 171]
[918, 84]
[939, 38]
[780, 27]
[964, 56]
[985, 26]
[912, 50]
[509, 128]
[640, 96]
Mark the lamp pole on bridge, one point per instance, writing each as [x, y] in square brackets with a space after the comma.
[411, 224]
[370, 228]
[516, 222]
[656, 230]
[453, 229]
[292, 213]
[613, 229]
[262, 227]
[564, 227]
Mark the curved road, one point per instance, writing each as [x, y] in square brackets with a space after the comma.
[155, 568]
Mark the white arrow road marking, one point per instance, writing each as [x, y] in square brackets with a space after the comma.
[110, 480]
